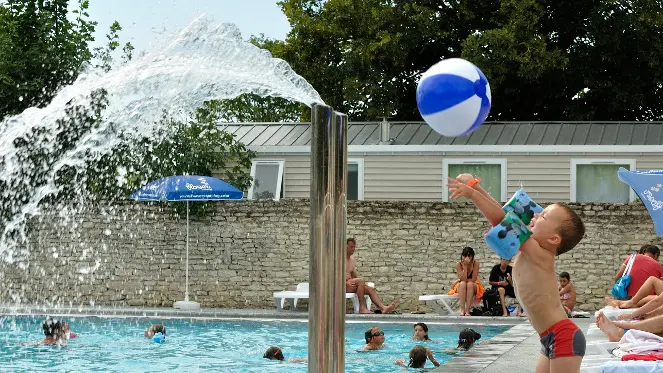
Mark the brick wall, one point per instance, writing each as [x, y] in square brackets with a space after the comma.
[133, 254]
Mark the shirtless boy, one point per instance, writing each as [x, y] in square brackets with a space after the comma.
[355, 284]
[567, 292]
[556, 230]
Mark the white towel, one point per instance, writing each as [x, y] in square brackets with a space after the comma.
[639, 342]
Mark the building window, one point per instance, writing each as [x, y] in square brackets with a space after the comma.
[492, 172]
[267, 180]
[595, 180]
[355, 181]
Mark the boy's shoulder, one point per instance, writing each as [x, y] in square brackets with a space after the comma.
[536, 253]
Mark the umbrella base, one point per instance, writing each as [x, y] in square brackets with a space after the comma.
[186, 305]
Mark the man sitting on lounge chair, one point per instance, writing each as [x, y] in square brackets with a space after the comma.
[355, 284]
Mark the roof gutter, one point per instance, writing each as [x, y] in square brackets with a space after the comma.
[482, 149]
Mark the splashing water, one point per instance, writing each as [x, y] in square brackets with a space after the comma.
[203, 61]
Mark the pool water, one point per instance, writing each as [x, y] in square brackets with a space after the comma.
[118, 345]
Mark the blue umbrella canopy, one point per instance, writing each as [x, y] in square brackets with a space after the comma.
[648, 185]
[187, 188]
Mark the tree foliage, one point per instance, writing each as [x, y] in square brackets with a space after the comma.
[365, 57]
[250, 107]
[40, 51]
[196, 147]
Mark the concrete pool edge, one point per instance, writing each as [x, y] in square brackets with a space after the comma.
[482, 355]
[223, 313]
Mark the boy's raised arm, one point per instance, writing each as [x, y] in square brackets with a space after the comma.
[466, 178]
[487, 205]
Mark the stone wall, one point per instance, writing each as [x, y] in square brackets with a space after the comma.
[133, 254]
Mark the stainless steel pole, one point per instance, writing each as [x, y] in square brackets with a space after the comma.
[327, 264]
[340, 246]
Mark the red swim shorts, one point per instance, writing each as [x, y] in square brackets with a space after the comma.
[563, 339]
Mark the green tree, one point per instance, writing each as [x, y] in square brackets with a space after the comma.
[250, 107]
[38, 152]
[41, 51]
[193, 147]
[618, 55]
[366, 57]
[516, 57]
[197, 147]
[104, 55]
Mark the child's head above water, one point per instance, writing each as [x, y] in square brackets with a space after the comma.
[421, 332]
[52, 328]
[557, 228]
[374, 335]
[466, 338]
[418, 357]
[273, 353]
[154, 329]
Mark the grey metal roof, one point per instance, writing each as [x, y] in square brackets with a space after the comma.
[492, 133]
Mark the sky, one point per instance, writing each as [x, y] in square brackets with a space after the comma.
[144, 21]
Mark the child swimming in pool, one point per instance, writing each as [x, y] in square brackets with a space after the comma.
[466, 339]
[420, 332]
[275, 353]
[54, 333]
[154, 329]
[418, 357]
[374, 339]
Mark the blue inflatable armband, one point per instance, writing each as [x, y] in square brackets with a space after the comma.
[523, 206]
[506, 237]
[159, 338]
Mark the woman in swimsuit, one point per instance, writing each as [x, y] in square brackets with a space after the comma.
[467, 287]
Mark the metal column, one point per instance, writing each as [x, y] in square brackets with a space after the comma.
[326, 343]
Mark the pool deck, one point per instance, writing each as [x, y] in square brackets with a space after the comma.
[517, 348]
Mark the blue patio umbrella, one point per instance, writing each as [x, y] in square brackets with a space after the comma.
[648, 185]
[187, 188]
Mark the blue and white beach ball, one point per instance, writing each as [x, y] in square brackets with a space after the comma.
[453, 97]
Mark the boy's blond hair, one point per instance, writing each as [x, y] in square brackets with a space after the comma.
[571, 230]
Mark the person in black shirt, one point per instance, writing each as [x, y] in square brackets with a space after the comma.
[500, 279]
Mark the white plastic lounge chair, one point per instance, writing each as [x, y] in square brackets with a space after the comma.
[449, 302]
[302, 292]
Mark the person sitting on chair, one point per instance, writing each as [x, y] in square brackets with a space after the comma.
[500, 280]
[355, 284]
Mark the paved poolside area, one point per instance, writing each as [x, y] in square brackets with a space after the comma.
[517, 348]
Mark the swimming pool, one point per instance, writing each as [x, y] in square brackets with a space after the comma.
[118, 345]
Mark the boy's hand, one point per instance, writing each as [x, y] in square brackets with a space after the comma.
[465, 178]
[459, 189]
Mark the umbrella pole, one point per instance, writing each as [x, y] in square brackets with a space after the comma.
[186, 292]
